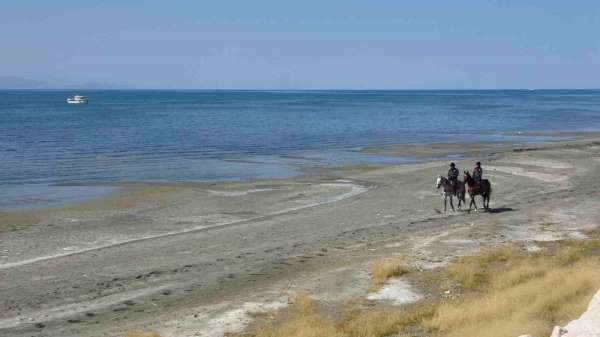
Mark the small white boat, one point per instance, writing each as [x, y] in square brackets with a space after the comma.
[77, 99]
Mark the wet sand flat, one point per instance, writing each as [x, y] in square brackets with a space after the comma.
[193, 259]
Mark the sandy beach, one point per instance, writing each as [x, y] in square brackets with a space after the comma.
[194, 259]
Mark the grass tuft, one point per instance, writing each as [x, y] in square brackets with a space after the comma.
[303, 304]
[375, 323]
[384, 269]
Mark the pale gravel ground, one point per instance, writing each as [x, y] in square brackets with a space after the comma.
[192, 259]
[588, 325]
[396, 292]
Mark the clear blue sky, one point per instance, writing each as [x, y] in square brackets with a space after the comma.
[304, 44]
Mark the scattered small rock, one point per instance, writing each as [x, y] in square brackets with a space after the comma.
[558, 331]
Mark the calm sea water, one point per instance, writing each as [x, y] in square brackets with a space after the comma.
[222, 135]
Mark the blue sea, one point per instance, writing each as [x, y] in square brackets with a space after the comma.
[47, 146]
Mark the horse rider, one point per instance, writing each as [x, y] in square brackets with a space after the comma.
[477, 173]
[453, 175]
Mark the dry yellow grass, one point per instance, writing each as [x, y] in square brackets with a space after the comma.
[386, 268]
[303, 304]
[305, 326]
[302, 321]
[472, 272]
[523, 299]
[501, 292]
[374, 323]
[508, 292]
[357, 323]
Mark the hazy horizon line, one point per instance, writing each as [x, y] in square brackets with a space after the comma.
[289, 89]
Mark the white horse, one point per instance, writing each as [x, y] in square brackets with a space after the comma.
[450, 191]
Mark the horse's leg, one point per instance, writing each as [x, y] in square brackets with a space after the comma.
[445, 200]
[451, 204]
[474, 203]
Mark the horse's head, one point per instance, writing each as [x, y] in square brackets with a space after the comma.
[438, 182]
[467, 175]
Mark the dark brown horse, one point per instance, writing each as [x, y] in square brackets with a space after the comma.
[484, 189]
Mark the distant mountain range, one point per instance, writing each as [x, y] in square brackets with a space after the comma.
[14, 82]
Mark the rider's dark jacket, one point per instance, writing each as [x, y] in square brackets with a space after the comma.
[453, 174]
[477, 174]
